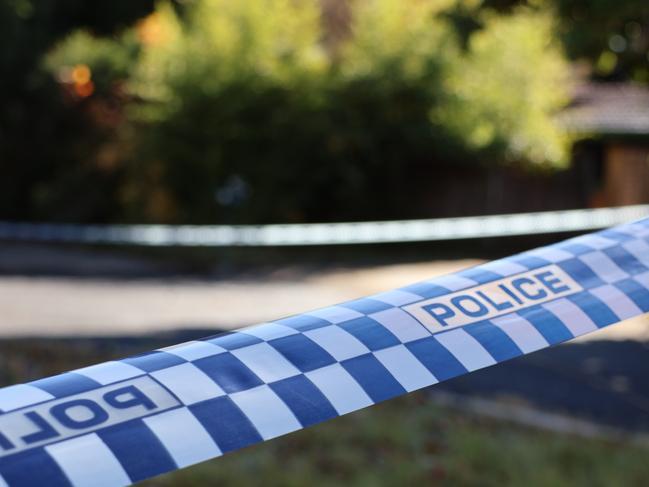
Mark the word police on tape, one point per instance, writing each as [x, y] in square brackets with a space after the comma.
[57, 420]
[494, 298]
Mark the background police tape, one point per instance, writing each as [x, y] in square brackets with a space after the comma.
[123, 421]
[349, 233]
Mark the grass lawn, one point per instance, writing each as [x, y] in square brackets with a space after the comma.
[409, 441]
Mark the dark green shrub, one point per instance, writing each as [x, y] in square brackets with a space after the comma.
[245, 115]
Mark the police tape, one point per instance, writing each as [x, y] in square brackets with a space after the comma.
[425, 230]
[126, 420]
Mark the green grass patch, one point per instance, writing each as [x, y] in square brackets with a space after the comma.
[409, 441]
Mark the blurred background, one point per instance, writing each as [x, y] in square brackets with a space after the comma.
[302, 111]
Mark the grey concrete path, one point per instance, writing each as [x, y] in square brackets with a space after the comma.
[86, 306]
[82, 305]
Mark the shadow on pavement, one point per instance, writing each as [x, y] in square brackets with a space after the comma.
[601, 381]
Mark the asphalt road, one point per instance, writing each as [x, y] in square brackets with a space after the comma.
[601, 381]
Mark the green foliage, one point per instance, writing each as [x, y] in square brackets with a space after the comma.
[222, 43]
[46, 143]
[109, 61]
[249, 118]
[410, 441]
[612, 34]
[404, 37]
[239, 112]
[214, 110]
[499, 102]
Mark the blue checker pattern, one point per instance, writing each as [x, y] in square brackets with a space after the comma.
[529, 261]
[547, 324]
[303, 322]
[370, 333]
[305, 399]
[494, 340]
[635, 291]
[232, 341]
[226, 423]
[595, 308]
[150, 362]
[479, 275]
[32, 467]
[373, 377]
[426, 290]
[129, 441]
[627, 262]
[367, 305]
[576, 249]
[66, 384]
[436, 358]
[581, 273]
[303, 352]
[228, 372]
[255, 384]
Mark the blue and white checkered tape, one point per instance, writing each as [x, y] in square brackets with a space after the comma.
[123, 421]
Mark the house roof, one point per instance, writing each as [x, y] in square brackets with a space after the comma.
[608, 109]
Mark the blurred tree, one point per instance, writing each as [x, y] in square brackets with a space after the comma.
[611, 35]
[498, 101]
[213, 110]
[45, 141]
[243, 100]
[253, 112]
